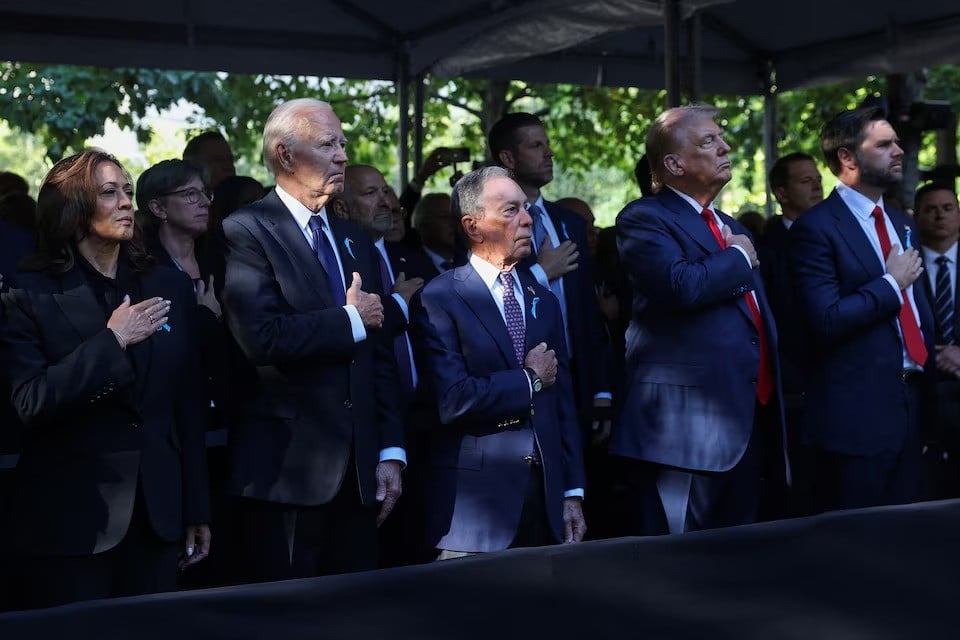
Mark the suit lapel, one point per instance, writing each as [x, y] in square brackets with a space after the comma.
[474, 292]
[853, 234]
[689, 220]
[346, 247]
[533, 309]
[280, 223]
[79, 305]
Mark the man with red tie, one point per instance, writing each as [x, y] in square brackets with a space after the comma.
[703, 383]
[854, 266]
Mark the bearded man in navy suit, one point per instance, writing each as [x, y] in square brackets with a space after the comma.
[703, 381]
[504, 463]
[855, 268]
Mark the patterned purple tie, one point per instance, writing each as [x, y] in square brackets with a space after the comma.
[514, 315]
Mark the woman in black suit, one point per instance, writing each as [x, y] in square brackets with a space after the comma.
[99, 349]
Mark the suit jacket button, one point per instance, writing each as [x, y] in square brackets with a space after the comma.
[755, 340]
[753, 380]
[348, 404]
[135, 425]
[528, 459]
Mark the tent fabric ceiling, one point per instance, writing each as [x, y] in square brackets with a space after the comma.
[607, 42]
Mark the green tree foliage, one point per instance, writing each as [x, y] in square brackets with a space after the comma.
[597, 133]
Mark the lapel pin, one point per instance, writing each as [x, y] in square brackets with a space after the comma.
[348, 243]
[563, 225]
[907, 233]
[532, 292]
[533, 307]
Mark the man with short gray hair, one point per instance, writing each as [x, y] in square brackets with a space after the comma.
[506, 467]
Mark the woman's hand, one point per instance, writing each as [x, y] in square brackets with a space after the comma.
[135, 323]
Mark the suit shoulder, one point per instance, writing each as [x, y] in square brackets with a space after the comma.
[441, 285]
[648, 206]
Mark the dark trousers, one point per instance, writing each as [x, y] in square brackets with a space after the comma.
[534, 528]
[712, 499]
[282, 541]
[886, 478]
[142, 563]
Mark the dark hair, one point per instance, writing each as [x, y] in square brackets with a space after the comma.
[192, 150]
[11, 182]
[18, 209]
[231, 194]
[159, 180]
[847, 130]
[930, 187]
[503, 134]
[644, 176]
[66, 206]
[780, 172]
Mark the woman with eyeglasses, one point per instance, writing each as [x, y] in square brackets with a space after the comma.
[174, 210]
[99, 351]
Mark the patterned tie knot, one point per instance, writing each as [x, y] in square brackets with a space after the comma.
[506, 279]
[942, 261]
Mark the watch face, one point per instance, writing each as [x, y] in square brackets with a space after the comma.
[537, 385]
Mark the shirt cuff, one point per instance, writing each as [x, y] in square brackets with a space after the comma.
[573, 493]
[743, 252]
[603, 395]
[403, 306]
[540, 275]
[356, 324]
[893, 283]
[394, 453]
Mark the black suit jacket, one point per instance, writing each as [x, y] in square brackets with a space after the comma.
[102, 420]
[411, 261]
[590, 349]
[320, 395]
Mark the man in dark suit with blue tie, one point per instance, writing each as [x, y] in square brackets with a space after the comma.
[937, 215]
[560, 260]
[505, 465]
[703, 384]
[854, 266]
[321, 441]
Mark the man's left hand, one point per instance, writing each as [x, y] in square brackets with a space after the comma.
[573, 523]
[948, 359]
[388, 488]
[196, 545]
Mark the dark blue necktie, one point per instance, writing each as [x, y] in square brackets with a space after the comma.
[328, 258]
[943, 302]
[514, 316]
[539, 231]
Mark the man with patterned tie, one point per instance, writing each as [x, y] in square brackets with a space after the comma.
[505, 464]
[321, 441]
[938, 220]
[854, 265]
[559, 259]
[703, 384]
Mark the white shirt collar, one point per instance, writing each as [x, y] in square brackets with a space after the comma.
[489, 273]
[298, 210]
[859, 204]
[693, 203]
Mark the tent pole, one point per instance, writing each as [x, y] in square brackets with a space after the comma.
[695, 56]
[769, 135]
[671, 45]
[418, 121]
[403, 93]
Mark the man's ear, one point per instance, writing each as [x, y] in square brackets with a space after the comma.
[340, 209]
[848, 159]
[471, 229]
[780, 193]
[507, 161]
[285, 157]
[672, 164]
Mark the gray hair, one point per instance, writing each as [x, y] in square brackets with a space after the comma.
[284, 127]
[467, 196]
[663, 136]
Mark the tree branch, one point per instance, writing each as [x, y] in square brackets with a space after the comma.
[454, 103]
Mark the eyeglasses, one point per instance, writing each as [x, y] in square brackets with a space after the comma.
[191, 195]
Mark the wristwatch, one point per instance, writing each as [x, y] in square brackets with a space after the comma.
[535, 380]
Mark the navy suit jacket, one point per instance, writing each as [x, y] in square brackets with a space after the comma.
[319, 394]
[487, 421]
[855, 403]
[693, 351]
[104, 423]
[588, 341]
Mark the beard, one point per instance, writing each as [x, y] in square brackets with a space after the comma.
[874, 176]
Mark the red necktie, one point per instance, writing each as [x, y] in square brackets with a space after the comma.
[765, 376]
[912, 338]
